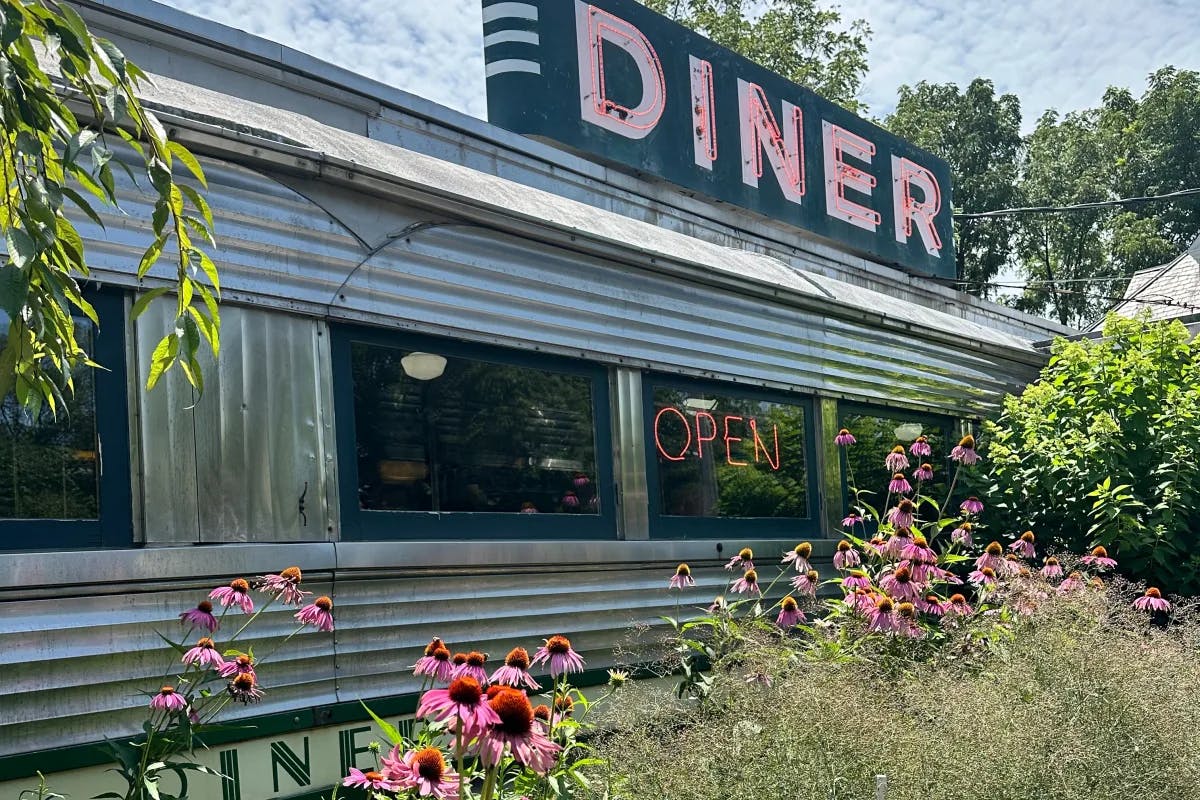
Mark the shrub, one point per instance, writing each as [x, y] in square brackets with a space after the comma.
[1104, 450]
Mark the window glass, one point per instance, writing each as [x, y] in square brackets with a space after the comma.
[49, 465]
[876, 434]
[436, 433]
[720, 455]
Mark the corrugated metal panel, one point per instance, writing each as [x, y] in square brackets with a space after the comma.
[84, 623]
[236, 461]
[476, 283]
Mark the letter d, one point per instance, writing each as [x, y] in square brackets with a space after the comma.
[594, 27]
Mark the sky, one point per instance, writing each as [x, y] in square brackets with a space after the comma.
[1058, 54]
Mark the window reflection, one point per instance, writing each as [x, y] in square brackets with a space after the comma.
[436, 433]
[876, 435]
[49, 466]
[725, 456]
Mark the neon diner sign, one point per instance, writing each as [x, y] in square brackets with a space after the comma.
[718, 432]
[613, 79]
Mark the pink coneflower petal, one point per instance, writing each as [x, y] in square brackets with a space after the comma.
[682, 578]
[963, 534]
[844, 438]
[464, 699]
[923, 472]
[1099, 558]
[236, 593]
[920, 447]
[241, 664]
[743, 560]
[370, 779]
[965, 453]
[559, 656]
[285, 586]
[424, 771]
[516, 733]
[747, 584]
[1051, 568]
[798, 557]
[972, 505]
[201, 617]
[896, 461]
[436, 665]
[1152, 600]
[515, 671]
[168, 700]
[205, 655]
[851, 520]
[899, 484]
[846, 557]
[319, 614]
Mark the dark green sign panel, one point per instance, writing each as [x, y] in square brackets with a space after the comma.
[616, 81]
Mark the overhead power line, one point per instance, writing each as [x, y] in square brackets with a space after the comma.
[1014, 212]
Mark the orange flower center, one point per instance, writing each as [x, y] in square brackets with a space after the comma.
[239, 585]
[292, 574]
[898, 449]
[518, 657]
[1099, 552]
[746, 554]
[988, 572]
[958, 599]
[243, 661]
[788, 604]
[476, 658]
[843, 432]
[206, 643]
[898, 476]
[906, 506]
[751, 577]
[244, 681]
[994, 549]
[542, 712]
[804, 549]
[1028, 536]
[907, 610]
[1074, 576]
[559, 645]
[683, 570]
[564, 704]
[1153, 592]
[843, 546]
[460, 659]
[167, 690]
[927, 467]
[465, 691]
[967, 442]
[434, 644]
[323, 603]
[885, 605]
[441, 654]
[204, 606]
[903, 575]
[919, 540]
[1051, 561]
[373, 776]
[430, 764]
[515, 712]
[812, 575]
[966, 526]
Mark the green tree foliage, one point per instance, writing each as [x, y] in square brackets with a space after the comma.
[68, 100]
[797, 39]
[1066, 163]
[1105, 449]
[979, 134]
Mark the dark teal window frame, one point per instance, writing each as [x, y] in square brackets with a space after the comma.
[946, 423]
[360, 524]
[666, 526]
[114, 528]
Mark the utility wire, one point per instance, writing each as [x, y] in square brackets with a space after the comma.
[1011, 212]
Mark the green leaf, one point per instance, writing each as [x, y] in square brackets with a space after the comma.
[189, 161]
[151, 256]
[144, 300]
[21, 248]
[388, 729]
[164, 355]
[14, 22]
[8, 366]
[199, 202]
[115, 56]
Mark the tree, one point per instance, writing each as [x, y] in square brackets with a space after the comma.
[979, 134]
[66, 97]
[794, 38]
[1104, 449]
[1065, 256]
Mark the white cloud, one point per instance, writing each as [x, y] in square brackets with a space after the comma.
[1058, 54]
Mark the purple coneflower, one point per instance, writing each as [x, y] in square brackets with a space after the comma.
[515, 671]
[465, 700]
[1152, 600]
[570, 500]
[744, 559]
[201, 617]
[1051, 568]
[718, 604]
[899, 484]
[557, 653]
[516, 733]
[370, 779]
[983, 578]
[168, 700]
[876, 546]
[238, 591]
[318, 613]
[963, 534]
[1099, 558]
[798, 557]
[882, 618]
[528, 508]
[682, 578]
[896, 461]
[923, 472]
[1024, 545]
[541, 713]
[244, 688]
[845, 556]
[807, 583]
[931, 604]
[861, 601]
[920, 447]
[436, 665]
[242, 664]
[993, 556]
[902, 515]
[1071, 583]
[204, 654]
[473, 666]
[972, 505]
[857, 579]
[957, 606]
[851, 520]
[965, 453]
[285, 586]
[896, 543]
[747, 584]
[844, 438]
[906, 621]
[424, 770]
[581, 480]
[918, 551]
[900, 585]
[790, 614]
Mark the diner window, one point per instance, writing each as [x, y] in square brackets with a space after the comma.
[64, 477]
[474, 442]
[876, 432]
[728, 456]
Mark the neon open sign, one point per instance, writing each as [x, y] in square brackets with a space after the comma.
[618, 81]
[679, 437]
